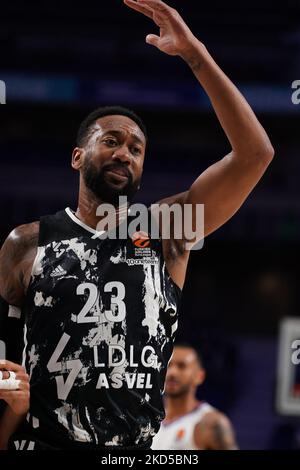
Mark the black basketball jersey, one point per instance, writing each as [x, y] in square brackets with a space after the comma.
[101, 317]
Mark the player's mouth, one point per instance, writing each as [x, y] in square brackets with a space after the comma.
[172, 383]
[118, 175]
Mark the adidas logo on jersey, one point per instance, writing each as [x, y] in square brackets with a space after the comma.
[59, 271]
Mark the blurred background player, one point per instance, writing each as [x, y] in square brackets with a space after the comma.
[190, 424]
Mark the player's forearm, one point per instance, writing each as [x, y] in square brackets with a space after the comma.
[9, 423]
[246, 135]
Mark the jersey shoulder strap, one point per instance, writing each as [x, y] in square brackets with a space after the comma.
[56, 227]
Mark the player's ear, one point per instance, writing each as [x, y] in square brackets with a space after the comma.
[200, 376]
[77, 158]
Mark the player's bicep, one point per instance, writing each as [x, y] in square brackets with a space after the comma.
[10, 280]
[16, 257]
[219, 433]
[162, 210]
[223, 188]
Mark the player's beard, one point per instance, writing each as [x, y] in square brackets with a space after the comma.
[180, 392]
[96, 182]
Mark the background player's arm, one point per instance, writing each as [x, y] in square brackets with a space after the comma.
[224, 186]
[215, 432]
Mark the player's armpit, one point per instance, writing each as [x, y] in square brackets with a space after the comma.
[175, 254]
[166, 221]
[215, 432]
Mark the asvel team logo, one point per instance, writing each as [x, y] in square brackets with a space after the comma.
[2, 92]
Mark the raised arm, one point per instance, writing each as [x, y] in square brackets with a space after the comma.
[225, 185]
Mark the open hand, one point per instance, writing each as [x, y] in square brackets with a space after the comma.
[175, 37]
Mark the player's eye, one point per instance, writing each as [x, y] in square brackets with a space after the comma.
[111, 142]
[136, 150]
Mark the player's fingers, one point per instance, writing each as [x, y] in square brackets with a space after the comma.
[161, 14]
[8, 374]
[8, 365]
[23, 376]
[157, 6]
[153, 40]
[12, 394]
[142, 9]
[5, 375]
[24, 386]
[10, 380]
[10, 384]
[22, 383]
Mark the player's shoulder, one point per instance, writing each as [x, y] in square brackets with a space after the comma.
[211, 419]
[214, 431]
[214, 417]
[21, 239]
[25, 234]
[16, 255]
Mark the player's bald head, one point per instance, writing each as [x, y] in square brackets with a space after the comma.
[185, 371]
[190, 354]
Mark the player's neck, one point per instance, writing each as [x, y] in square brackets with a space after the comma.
[179, 406]
[88, 204]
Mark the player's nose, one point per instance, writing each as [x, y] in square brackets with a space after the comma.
[171, 374]
[122, 155]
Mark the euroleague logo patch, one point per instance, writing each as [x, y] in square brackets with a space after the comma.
[180, 434]
[141, 240]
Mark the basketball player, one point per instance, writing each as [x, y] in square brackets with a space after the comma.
[189, 423]
[100, 318]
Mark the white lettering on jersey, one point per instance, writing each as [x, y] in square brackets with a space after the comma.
[75, 366]
[20, 445]
[93, 295]
[117, 313]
